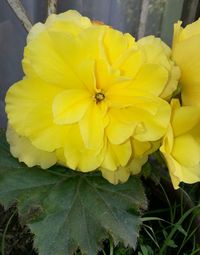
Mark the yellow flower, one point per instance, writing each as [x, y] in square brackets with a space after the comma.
[181, 145]
[186, 54]
[89, 91]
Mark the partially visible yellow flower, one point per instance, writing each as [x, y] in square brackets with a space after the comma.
[88, 93]
[186, 54]
[181, 145]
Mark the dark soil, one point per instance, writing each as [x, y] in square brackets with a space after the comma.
[18, 239]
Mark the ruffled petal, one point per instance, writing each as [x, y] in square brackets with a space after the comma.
[151, 78]
[141, 149]
[70, 106]
[42, 59]
[130, 62]
[116, 155]
[106, 76]
[70, 16]
[118, 130]
[29, 109]
[191, 174]
[92, 42]
[92, 127]
[157, 52]
[121, 41]
[186, 150]
[77, 156]
[185, 119]
[120, 175]
[149, 120]
[22, 149]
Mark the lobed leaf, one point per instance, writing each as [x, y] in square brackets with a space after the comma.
[67, 210]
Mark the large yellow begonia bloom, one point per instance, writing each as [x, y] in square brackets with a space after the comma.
[186, 54]
[89, 93]
[181, 145]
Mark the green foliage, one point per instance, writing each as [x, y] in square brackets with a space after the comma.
[67, 210]
[176, 229]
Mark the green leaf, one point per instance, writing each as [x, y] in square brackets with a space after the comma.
[66, 209]
[171, 244]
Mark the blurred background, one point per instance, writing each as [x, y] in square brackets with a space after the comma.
[138, 17]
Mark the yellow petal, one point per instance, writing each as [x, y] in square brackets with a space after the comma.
[29, 109]
[130, 62]
[186, 150]
[77, 156]
[35, 31]
[185, 119]
[49, 138]
[191, 174]
[168, 141]
[157, 52]
[174, 170]
[28, 96]
[106, 76]
[72, 52]
[92, 127]
[149, 120]
[121, 41]
[69, 16]
[86, 73]
[154, 126]
[135, 165]
[151, 78]
[70, 106]
[22, 149]
[140, 148]
[177, 33]
[116, 155]
[184, 33]
[92, 42]
[64, 26]
[42, 58]
[118, 130]
[186, 54]
[120, 175]
[172, 83]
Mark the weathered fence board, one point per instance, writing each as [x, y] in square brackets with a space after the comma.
[191, 10]
[36, 9]
[121, 14]
[171, 14]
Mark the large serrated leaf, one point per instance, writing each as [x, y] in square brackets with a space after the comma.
[66, 209]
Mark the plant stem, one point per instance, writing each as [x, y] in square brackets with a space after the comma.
[111, 247]
[52, 6]
[20, 12]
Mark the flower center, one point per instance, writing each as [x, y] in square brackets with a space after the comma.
[99, 97]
